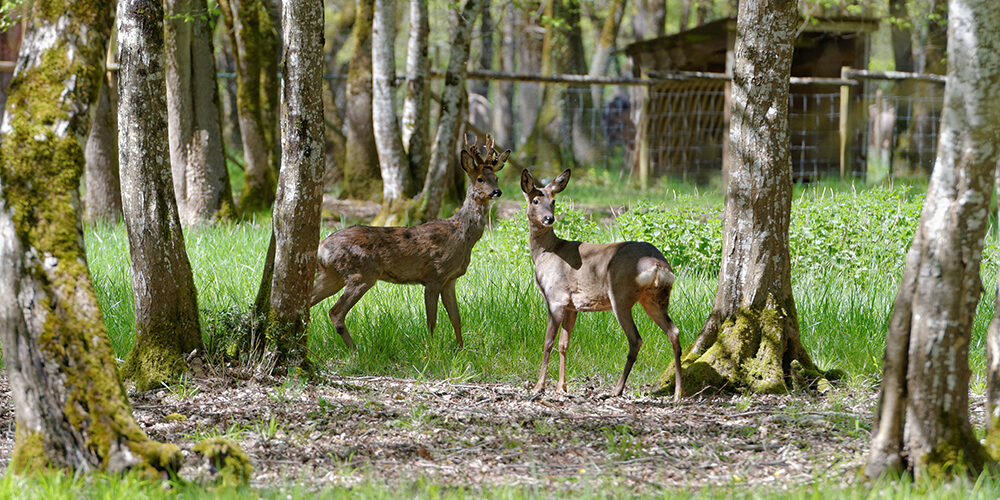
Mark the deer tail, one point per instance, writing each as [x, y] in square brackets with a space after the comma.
[655, 275]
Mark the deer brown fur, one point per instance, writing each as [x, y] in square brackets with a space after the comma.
[578, 277]
[434, 254]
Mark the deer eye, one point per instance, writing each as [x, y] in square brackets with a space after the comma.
[480, 180]
[534, 201]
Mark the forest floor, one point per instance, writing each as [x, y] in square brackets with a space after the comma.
[350, 430]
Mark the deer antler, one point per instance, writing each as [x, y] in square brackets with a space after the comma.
[473, 149]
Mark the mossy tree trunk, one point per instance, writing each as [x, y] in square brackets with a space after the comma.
[166, 310]
[361, 169]
[922, 422]
[200, 177]
[251, 31]
[70, 408]
[295, 236]
[103, 195]
[601, 59]
[395, 166]
[450, 117]
[750, 340]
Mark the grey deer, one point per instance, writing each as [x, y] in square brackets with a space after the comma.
[575, 276]
[433, 254]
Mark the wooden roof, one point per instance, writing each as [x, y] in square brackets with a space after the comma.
[704, 48]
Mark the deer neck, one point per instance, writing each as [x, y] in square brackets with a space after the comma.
[542, 239]
[472, 216]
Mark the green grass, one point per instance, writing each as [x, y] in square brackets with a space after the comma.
[847, 245]
[60, 485]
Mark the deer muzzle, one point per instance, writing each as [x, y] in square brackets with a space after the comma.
[496, 193]
[548, 220]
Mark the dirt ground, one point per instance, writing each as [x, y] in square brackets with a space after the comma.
[343, 431]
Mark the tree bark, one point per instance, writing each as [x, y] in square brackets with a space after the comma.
[250, 31]
[166, 309]
[361, 170]
[70, 409]
[923, 415]
[393, 163]
[417, 102]
[925, 105]
[198, 166]
[902, 52]
[529, 94]
[300, 182]
[649, 20]
[503, 111]
[750, 340]
[450, 117]
[104, 195]
[482, 87]
[601, 59]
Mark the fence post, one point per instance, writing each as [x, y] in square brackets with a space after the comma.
[847, 95]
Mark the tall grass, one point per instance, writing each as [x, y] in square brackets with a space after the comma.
[847, 249]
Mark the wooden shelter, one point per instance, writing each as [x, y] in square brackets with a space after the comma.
[683, 124]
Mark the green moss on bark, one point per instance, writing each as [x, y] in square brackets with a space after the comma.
[152, 363]
[29, 451]
[750, 353]
[230, 465]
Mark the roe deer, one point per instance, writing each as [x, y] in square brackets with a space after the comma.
[575, 276]
[434, 254]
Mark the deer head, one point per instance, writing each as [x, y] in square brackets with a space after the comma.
[542, 201]
[482, 170]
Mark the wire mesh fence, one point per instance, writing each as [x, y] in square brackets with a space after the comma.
[679, 128]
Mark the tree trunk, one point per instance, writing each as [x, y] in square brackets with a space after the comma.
[649, 20]
[601, 59]
[198, 166]
[394, 165]
[482, 87]
[339, 32]
[529, 94]
[750, 340]
[361, 170]
[249, 25]
[923, 415]
[104, 195]
[166, 310]
[902, 52]
[300, 186]
[503, 110]
[450, 117]
[417, 102]
[70, 409]
[926, 105]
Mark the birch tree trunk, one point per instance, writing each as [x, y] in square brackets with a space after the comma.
[198, 166]
[417, 101]
[361, 169]
[250, 26]
[393, 163]
[166, 309]
[449, 119]
[750, 340]
[70, 410]
[923, 415]
[104, 195]
[300, 182]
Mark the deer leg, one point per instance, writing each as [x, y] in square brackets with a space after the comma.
[569, 321]
[623, 311]
[431, 294]
[338, 313]
[659, 314]
[326, 284]
[451, 305]
[555, 318]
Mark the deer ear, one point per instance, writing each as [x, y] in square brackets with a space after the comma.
[501, 161]
[468, 163]
[527, 182]
[559, 183]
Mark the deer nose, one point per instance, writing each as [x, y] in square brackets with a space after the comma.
[496, 193]
[548, 220]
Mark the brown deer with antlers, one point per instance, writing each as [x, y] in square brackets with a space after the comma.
[575, 276]
[434, 254]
